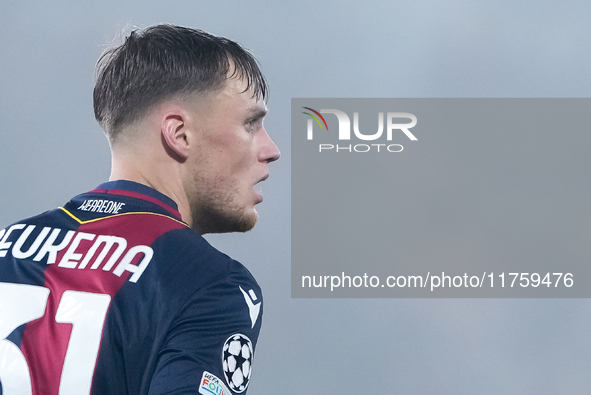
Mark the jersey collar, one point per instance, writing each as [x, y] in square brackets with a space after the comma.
[140, 191]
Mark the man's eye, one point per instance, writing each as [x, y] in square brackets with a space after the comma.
[252, 126]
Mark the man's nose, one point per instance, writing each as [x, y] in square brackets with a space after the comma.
[269, 151]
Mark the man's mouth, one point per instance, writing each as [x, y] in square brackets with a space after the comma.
[258, 189]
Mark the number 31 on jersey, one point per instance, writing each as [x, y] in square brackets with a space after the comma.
[86, 312]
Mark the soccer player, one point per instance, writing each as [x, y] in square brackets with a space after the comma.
[117, 292]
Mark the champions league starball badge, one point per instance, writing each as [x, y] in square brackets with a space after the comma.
[237, 358]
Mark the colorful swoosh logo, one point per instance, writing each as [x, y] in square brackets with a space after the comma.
[315, 118]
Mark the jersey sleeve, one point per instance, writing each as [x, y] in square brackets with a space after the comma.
[210, 346]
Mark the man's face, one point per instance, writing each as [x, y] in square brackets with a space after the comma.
[230, 153]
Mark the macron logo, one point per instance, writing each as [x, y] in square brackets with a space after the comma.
[253, 309]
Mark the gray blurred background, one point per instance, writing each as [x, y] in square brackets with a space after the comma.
[51, 149]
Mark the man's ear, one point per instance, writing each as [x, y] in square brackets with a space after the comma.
[174, 128]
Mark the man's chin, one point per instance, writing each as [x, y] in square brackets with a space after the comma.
[226, 222]
[246, 223]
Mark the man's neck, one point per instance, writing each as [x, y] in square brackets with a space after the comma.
[164, 178]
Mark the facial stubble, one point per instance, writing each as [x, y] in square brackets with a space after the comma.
[214, 208]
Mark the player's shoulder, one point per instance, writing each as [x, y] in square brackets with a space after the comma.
[206, 276]
[46, 218]
[192, 255]
[197, 282]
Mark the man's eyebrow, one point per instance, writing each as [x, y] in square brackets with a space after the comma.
[256, 113]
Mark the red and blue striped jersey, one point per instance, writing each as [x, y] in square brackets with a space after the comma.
[114, 294]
